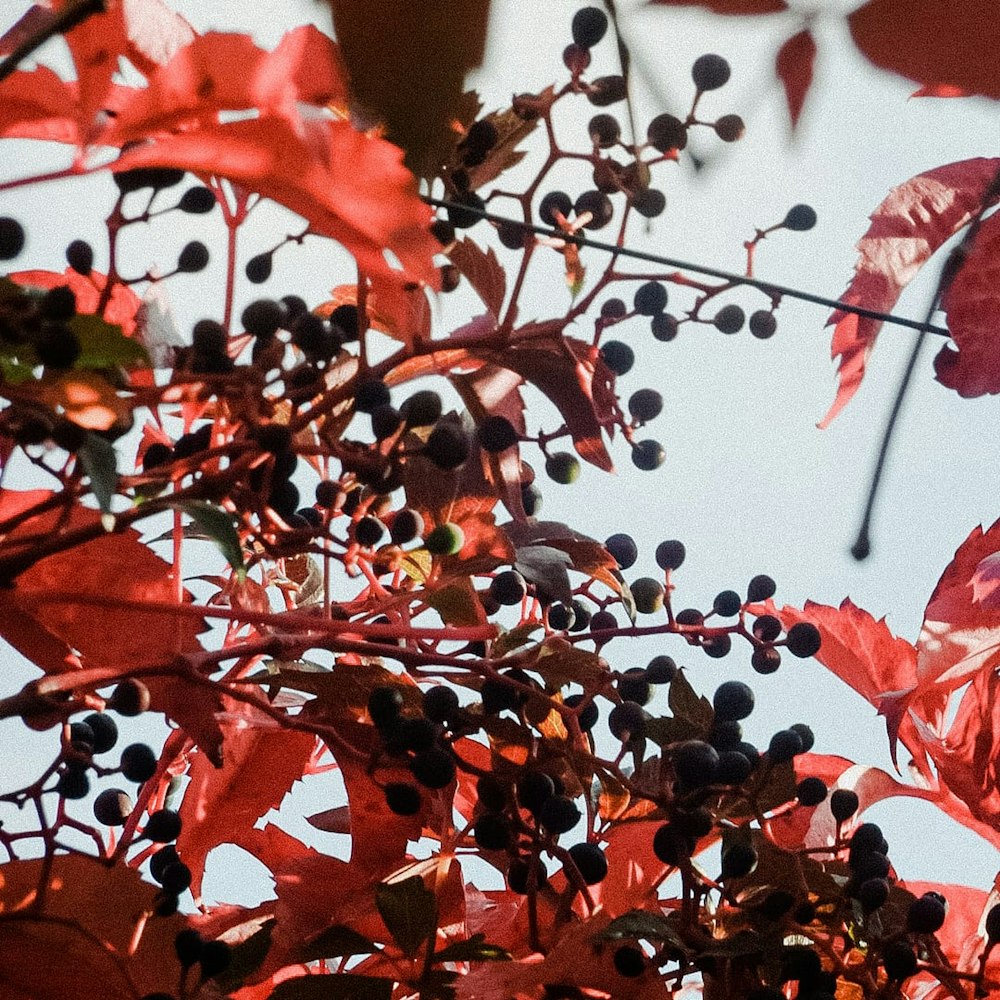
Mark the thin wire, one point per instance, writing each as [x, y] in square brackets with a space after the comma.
[737, 279]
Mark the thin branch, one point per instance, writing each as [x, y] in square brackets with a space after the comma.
[64, 21]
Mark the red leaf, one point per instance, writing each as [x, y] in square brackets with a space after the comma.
[36, 104]
[911, 37]
[260, 764]
[972, 302]
[745, 7]
[907, 228]
[794, 66]
[939, 90]
[351, 187]
[483, 271]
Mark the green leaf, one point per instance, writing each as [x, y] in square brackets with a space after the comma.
[560, 663]
[409, 910]
[337, 942]
[103, 345]
[219, 526]
[545, 567]
[100, 462]
[247, 957]
[457, 603]
[342, 986]
[515, 638]
[474, 950]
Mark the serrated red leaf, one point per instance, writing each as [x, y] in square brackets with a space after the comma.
[260, 764]
[740, 7]
[906, 229]
[483, 271]
[914, 39]
[37, 104]
[972, 304]
[794, 66]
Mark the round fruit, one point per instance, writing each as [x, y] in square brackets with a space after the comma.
[670, 846]
[618, 356]
[767, 628]
[561, 617]
[800, 218]
[634, 686]
[386, 420]
[645, 405]
[188, 945]
[440, 703]
[763, 324]
[73, 783]
[138, 762]
[492, 832]
[519, 875]
[664, 327]
[732, 701]
[717, 646]
[926, 915]
[531, 499]
[785, 744]
[555, 202]
[604, 130]
[696, 763]
[105, 731]
[434, 768]
[215, 958]
[623, 548]
[384, 705]
[661, 670]
[739, 860]
[650, 298]
[80, 257]
[760, 588]
[258, 269]
[589, 25]
[558, 814]
[710, 72]
[811, 791]
[587, 719]
[727, 603]
[843, 804]
[730, 128]
[447, 447]
[629, 961]
[607, 90]
[872, 894]
[161, 859]
[603, 621]
[445, 540]
[627, 721]
[11, 238]
[406, 525]
[992, 925]
[112, 807]
[648, 595]
[496, 434]
[729, 319]
[868, 865]
[648, 455]
[422, 409]
[803, 640]
[734, 768]
[805, 734]
[193, 258]
[368, 531]
[670, 554]
[613, 309]
[590, 862]
[665, 132]
[598, 205]
[508, 588]
[197, 201]
[163, 826]
[176, 878]
[899, 961]
[465, 210]
[562, 467]
[649, 203]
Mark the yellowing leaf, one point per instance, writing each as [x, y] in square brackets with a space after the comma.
[86, 398]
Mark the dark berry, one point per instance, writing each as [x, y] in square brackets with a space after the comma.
[258, 269]
[613, 309]
[800, 218]
[435, 768]
[402, 798]
[607, 90]
[163, 826]
[384, 705]
[138, 762]
[872, 894]
[345, 322]
[562, 467]
[726, 734]
[604, 130]
[689, 616]
[327, 491]
[477, 142]
[492, 832]
[209, 337]
[843, 804]
[589, 26]
[785, 744]
[623, 548]
[811, 791]
[587, 719]
[869, 865]
[760, 588]
[670, 554]
[805, 734]
[197, 201]
[193, 258]
[80, 257]
[926, 914]
[11, 238]
[187, 945]
[899, 961]
[165, 904]
[368, 531]
[627, 721]
[369, 394]
[733, 700]
[311, 516]
[519, 875]
[443, 231]
[650, 298]
[57, 346]
[665, 132]
[648, 455]
[513, 235]
[603, 621]
[729, 319]
[555, 202]
[156, 178]
[598, 205]
[645, 405]
[176, 877]
[161, 859]
[561, 617]
[734, 768]
[650, 203]
[112, 807]
[262, 317]
[558, 814]
[496, 434]
[81, 735]
[661, 670]
[422, 409]
[492, 793]
[73, 783]
[763, 324]
[417, 734]
[406, 525]
[465, 210]
[992, 924]
[730, 128]
[633, 686]
[509, 588]
[697, 822]
[576, 58]
[767, 628]
[447, 447]
[710, 72]
[696, 763]
[590, 862]
[727, 603]
[670, 845]
[664, 327]
[105, 731]
[739, 860]
[803, 640]
[629, 961]
[868, 837]
[531, 499]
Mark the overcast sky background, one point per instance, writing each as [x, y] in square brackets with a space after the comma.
[750, 485]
